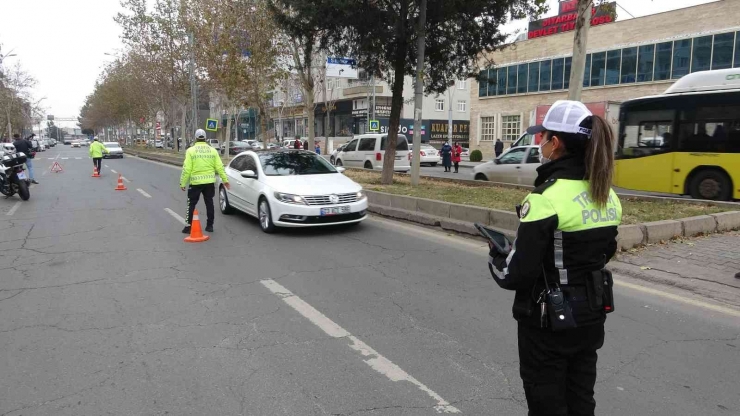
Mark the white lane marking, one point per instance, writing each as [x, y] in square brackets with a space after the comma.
[124, 178]
[105, 166]
[14, 208]
[176, 216]
[141, 191]
[44, 172]
[78, 158]
[113, 171]
[65, 158]
[50, 158]
[376, 361]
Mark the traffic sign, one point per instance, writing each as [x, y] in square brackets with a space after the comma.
[211, 124]
[374, 125]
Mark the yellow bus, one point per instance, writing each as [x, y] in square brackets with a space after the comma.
[686, 141]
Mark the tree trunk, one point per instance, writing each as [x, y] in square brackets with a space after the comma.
[580, 43]
[399, 70]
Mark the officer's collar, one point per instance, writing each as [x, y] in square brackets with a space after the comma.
[566, 167]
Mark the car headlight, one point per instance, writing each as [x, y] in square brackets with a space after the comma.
[290, 198]
[360, 196]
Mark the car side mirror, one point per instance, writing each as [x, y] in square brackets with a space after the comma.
[340, 169]
[249, 174]
[497, 161]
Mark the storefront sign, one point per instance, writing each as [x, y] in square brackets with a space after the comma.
[565, 21]
[382, 111]
[460, 130]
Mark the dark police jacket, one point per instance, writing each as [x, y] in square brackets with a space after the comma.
[563, 235]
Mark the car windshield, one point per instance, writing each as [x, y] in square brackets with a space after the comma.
[294, 163]
[111, 145]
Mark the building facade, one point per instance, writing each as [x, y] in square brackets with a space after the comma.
[626, 59]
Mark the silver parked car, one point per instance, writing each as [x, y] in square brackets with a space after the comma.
[517, 165]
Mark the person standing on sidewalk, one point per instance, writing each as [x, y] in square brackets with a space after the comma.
[26, 147]
[499, 147]
[202, 163]
[457, 156]
[567, 234]
[96, 153]
[446, 152]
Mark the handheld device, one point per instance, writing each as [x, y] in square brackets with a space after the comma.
[499, 240]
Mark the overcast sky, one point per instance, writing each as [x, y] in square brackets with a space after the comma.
[63, 42]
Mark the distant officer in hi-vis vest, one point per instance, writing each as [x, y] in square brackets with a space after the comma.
[566, 236]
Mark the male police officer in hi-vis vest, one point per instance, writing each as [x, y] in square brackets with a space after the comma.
[202, 163]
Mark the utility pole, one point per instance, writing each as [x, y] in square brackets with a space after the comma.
[326, 120]
[580, 42]
[372, 81]
[450, 95]
[193, 85]
[419, 92]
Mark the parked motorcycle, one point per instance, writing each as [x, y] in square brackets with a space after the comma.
[13, 179]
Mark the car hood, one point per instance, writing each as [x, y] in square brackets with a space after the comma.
[327, 184]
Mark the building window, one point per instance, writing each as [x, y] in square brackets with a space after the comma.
[545, 75]
[598, 65]
[722, 55]
[534, 76]
[568, 64]
[645, 61]
[587, 72]
[462, 106]
[483, 83]
[492, 83]
[487, 129]
[462, 84]
[737, 50]
[511, 81]
[613, 64]
[439, 105]
[510, 126]
[702, 56]
[629, 65]
[501, 81]
[558, 66]
[663, 56]
[522, 79]
[681, 58]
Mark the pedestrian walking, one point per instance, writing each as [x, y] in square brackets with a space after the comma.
[318, 148]
[457, 155]
[567, 234]
[202, 163]
[96, 153]
[297, 143]
[446, 156]
[499, 147]
[26, 147]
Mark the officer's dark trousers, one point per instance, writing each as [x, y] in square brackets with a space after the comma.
[98, 162]
[208, 190]
[559, 369]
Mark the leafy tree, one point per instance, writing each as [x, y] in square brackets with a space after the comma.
[381, 36]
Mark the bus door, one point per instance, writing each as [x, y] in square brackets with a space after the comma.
[645, 161]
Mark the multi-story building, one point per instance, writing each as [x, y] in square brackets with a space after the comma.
[626, 59]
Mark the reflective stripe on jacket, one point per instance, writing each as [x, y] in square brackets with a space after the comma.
[202, 163]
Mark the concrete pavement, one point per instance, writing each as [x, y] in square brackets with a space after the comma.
[106, 311]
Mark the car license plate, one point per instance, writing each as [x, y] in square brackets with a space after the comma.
[22, 175]
[334, 211]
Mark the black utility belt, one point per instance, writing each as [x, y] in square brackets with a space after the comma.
[555, 307]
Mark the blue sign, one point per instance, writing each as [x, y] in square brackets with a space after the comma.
[211, 124]
[341, 61]
[374, 125]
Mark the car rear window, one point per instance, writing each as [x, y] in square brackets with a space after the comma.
[401, 143]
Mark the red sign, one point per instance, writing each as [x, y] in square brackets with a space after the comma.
[565, 21]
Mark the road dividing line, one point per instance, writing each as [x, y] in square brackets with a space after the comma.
[14, 208]
[105, 166]
[78, 158]
[50, 158]
[65, 158]
[177, 217]
[113, 171]
[141, 191]
[124, 178]
[376, 361]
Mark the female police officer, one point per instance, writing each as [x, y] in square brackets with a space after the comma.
[567, 234]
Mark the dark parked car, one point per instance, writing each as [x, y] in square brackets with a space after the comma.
[237, 147]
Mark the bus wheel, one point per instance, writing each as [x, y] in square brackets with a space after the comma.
[711, 184]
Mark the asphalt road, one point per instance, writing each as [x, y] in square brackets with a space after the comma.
[106, 311]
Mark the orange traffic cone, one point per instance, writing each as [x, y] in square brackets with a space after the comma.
[95, 174]
[196, 233]
[121, 186]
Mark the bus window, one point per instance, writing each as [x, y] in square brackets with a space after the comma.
[644, 134]
[710, 129]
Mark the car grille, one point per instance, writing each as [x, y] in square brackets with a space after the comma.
[326, 199]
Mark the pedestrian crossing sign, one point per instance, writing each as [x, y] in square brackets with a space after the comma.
[211, 124]
[374, 125]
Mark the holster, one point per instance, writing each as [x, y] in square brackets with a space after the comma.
[600, 291]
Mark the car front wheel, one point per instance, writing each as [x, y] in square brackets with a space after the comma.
[265, 217]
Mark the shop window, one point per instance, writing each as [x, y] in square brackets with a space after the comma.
[613, 63]
[534, 77]
[587, 72]
[487, 129]
[629, 65]
[483, 83]
[737, 50]
[522, 78]
[545, 75]
[558, 69]
[722, 53]
[501, 82]
[681, 58]
[511, 80]
[510, 127]
[702, 55]
[598, 68]
[663, 54]
[645, 61]
[566, 77]
[491, 82]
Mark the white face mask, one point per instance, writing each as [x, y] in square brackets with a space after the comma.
[544, 159]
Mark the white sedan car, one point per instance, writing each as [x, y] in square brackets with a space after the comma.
[291, 188]
[517, 165]
[428, 154]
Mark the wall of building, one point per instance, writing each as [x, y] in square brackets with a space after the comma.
[694, 21]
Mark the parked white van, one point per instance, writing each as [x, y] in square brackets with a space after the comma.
[368, 151]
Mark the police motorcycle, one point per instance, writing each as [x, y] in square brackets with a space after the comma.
[13, 178]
